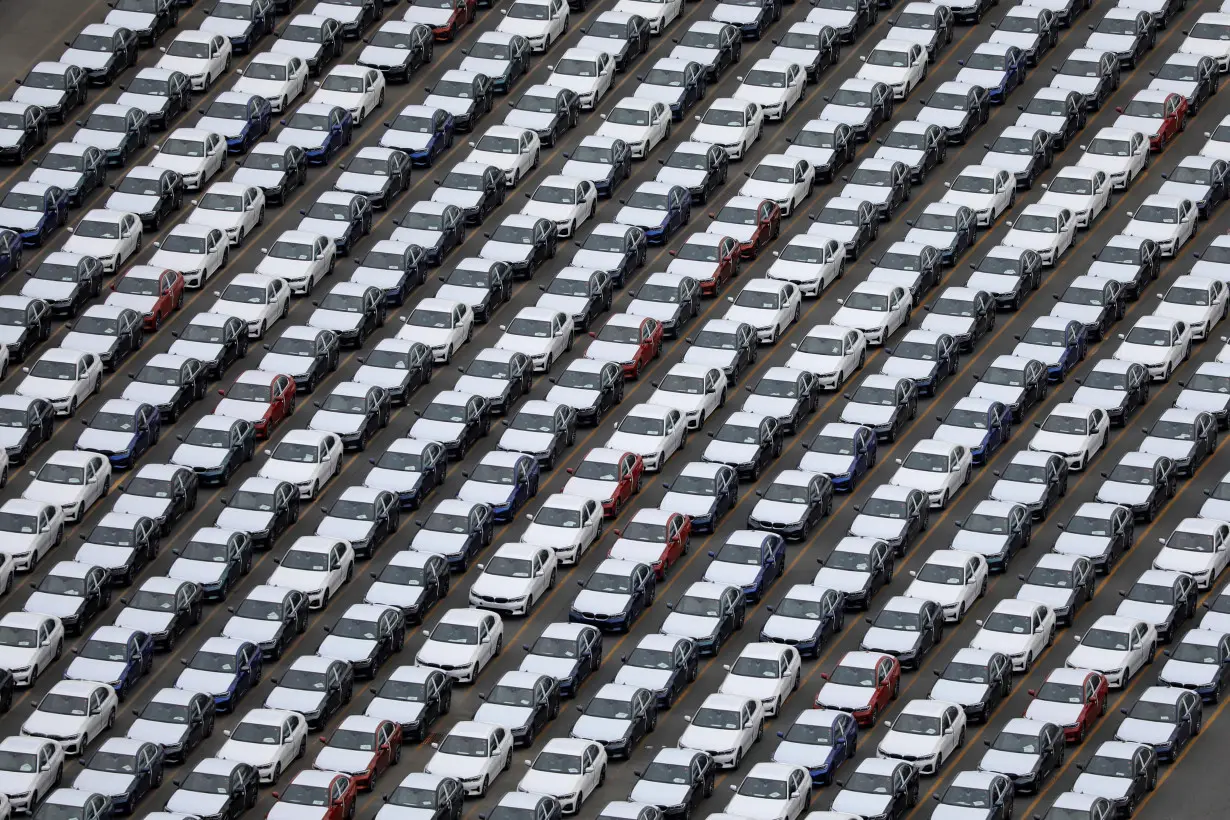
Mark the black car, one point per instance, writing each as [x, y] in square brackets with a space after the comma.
[174, 87]
[605, 151]
[367, 407]
[131, 124]
[823, 610]
[238, 440]
[866, 15]
[632, 31]
[914, 136]
[511, 367]
[1129, 379]
[938, 350]
[288, 162]
[780, 385]
[375, 511]
[923, 260]
[1013, 527]
[685, 78]
[1206, 172]
[1134, 262]
[165, 17]
[194, 719]
[351, 298]
[322, 36]
[922, 619]
[618, 250]
[561, 423]
[663, 652]
[419, 685]
[426, 572]
[1047, 745]
[32, 317]
[474, 520]
[179, 380]
[241, 785]
[730, 606]
[720, 336]
[86, 274]
[329, 679]
[414, 48]
[117, 43]
[640, 710]
[540, 696]
[412, 358]
[88, 162]
[994, 677]
[691, 156]
[492, 278]
[975, 306]
[178, 606]
[1036, 147]
[513, 52]
[973, 103]
[1139, 27]
[139, 538]
[1197, 427]
[1116, 526]
[259, 15]
[1181, 716]
[385, 627]
[30, 123]
[1055, 102]
[288, 607]
[355, 210]
[864, 218]
[70, 82]
[562, 104]
[317, 350]
[117, 333]
[167, 188]
[484, 189]
[899, 394]
[1022, 264]
[233, 552]
[1070, 575]
[280, 503]
[606, 379]
[1140, 769]
[475, 90]
[536, 236]
[698, 777]
[171, 486]
[1105, 69]
[824, 43]
[876, 100]
[1200, 70]
[142, 766]
[594, 287]
[1028, 379]
[474, 416]
[1140, 471]
[35, 417]
[895, 176]
[86, 586]
[764, 434]
[725, 45]
[581, 644]
[639, 585]
[1104, 294]
[900, 786]
[445, 221]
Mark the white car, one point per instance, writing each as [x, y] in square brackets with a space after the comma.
[1168, 220]
[73, 713]
[1198, 302]
[29, 644]
[660, 14]
[771, 790]
[766, 671]
[111, 237]
[1083, 191]
[258, 300]
[1199, 547]
[300, 258]
[786, 180]
[306, 458]
[358, 89]
[37, 768]
[269, 740]
[651, 431]
[985, 190]
[1192, 662]
[770, 306]
[1117, 647]
[899, 64]
[316, 566]
[204, 56]
[1022, 630]
[1159, 343]
[515, 151]
[834, 353]
[195, 154]
[568, 524]
[1207, 37]
[875, 309]
[462, 643]
[542, 22]
[586, 72]
[730, 123]
[774, 85]
[954, 579]
[235, 209]
[568, 769]
[514, 578]
[542, 334]
[725, 726]
[472, 752]
[1075, 431]
[938, 468]
[643, 124]
[566, 201]
[279, 78]
[925, 733]
[1045, 229]
[810, 262]
[64, 377]
[30, 530]
[441, 324]
[196, 251]
[71, 480]
[1122, 153]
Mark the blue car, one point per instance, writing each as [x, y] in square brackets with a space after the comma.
[996, 67]
[11, 244]
[749, 559]
[224, 668]
[1058, 343]
[320, 130]
[657, 208]
[33, 210]
[505, 480]
[635, 583]
[130, 769]
[821, 740]
[982, 425]
[843, 452]
[114, 655]
[242, 118]
[343, 217]
[122, 430]
[422, 132]
[765, 12]
[806, 618]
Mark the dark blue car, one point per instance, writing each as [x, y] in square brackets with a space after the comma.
[749, 559]
[637, 584]
[422, 132]
[224, 667]
[657, 208]
[1058, 343]
[134, 765]
[352, 213]
[766, 11]
[320, 130]
[1001, 69]
[115, 655]
[11, 244]
[224, 557]
[506, 481]
[982, 425]
[843, 452]
[833, 736]
[242, 118]
[123, 431]
[33, 210]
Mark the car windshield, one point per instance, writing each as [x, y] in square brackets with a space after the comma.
[888, 57]
[878, 396]
[23, 524]
[152, 601]
[761, 78]
[509, 567]
[710, 718]
[1050, 577]
[1131, 474]
[258, 733]
[1153, 711]
[245, 294]
[255, 610]
[972, 184]
[913, 724]
[1097, 638]
[205, 551]
[463, 746]
[253, 501]
[1191, 541]
[548, 647]
[643, 531]
[537, 328]
[98, 229]
[293, 451]
[986, 62]
[678, 775]
[206, 437]
[212, 662]
[593, 154]
[1151, 594]
[1149, 337]
[455, 633]
[403, 690]
[1196, 653]
[763, 788]
[897, 621]
[1103, 146]
[1061, 692]
[700, 607]
[529, 11]
[299, 794]
[1016, 743]
[443, 522]
[812, 138]
[724, 118]
[866, 783]
[738, 434]
[694, 485]
[1165, 215]
[60, 474]
[851, 98]
[558, 517]
[1008, 622]
[932, 573]
[1210, 31]
[967, 796]
[403, 576]
[513, 235]
[510, 696]
[948, 102]
[605, 582]
[926, 462]
[353, 740]
[425, 317]
[306, 561]
[205, 783]
[498, 145]
[965, 673]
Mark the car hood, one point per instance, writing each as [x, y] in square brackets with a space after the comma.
[1009, 763]
[740, 575]
[558, 668]
[250, 629]
[1054, 597]
[658, 794]
[442, 543]
[183, 802]
[863, 804]
[891, 640]
[693, 505]
[966, 694]
[1152, 613]
[144, 620]
[730, 452]
[936, 239]
[946, 118]
[688, 626]
[710, 357]
[869, 414]
[1144, 731]
[1112, 788]
[1047, 711]
[792, 629]
[340, 423]
[870, 526]
[196, 680]
[59, 605]
[296, 700]
[104, 441]
[201, 572]
[244, 520]
[1116, 492]
[848, 114]
[915, 369]
[513, 717]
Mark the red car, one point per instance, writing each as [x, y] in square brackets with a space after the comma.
[711, 259]
[654, 537]
[315, 795]
[610, 475]
[753, 222]
[633, 341]
[431, 13]
[259, 397]
[1071, 698]
[155, 293]
[1160, 114]
[362, 747]
[863, 684]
